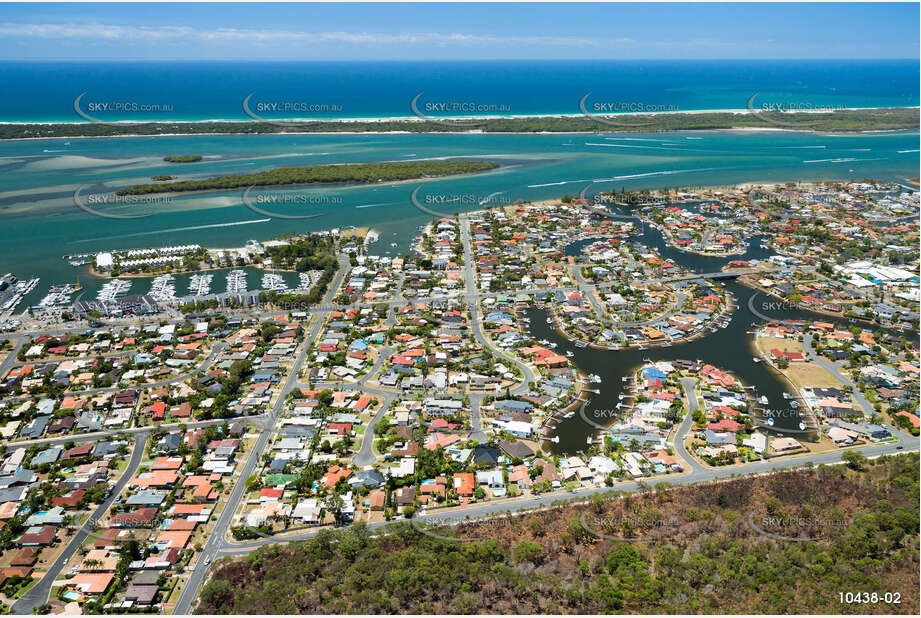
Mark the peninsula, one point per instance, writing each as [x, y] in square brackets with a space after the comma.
[848, 120]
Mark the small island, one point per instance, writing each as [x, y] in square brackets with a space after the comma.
[359, 173]
[183, 158]
[162, 177]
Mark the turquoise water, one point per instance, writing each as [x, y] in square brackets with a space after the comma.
[45, 91]
[41, 224]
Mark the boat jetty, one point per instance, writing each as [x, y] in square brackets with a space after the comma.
[12, 291]
[200, 285]
[162, 288]
[273, 282]
[236, 281]
[58, 296]
[113, 289]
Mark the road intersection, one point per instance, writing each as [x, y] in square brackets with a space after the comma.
[218, 543]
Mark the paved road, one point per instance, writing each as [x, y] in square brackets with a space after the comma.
[78, 438]
[588, 292]
[476, 323]
[205, 364]
[38, 594]
[834, 370]
[690, 395]
[10, 361]
[476, 420]
[703, 475]
[217, 539]
[365, 455]
[675, 307]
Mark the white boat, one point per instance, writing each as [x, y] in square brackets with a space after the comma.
[770, 421]
[274, 282]
[802, 426]
[58, 296]
[113, 289]
[756, 359]
[236, 282]
[200, 285]
[763, 400]
[162, 288]
[569, 354]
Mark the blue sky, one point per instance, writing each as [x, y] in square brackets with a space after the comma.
[432, 31]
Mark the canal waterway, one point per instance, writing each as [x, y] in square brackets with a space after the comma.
[728, 348]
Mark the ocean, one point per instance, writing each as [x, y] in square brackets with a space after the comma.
[38, 178]
[190, 91]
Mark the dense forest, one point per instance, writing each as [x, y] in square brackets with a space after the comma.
[840, 120]
[388, 171]
[716, 548]
[183, 158]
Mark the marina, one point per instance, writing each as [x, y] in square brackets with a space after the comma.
[58, 296]
[236, 282]
[113, 289]
[273, 282]
[305, 281]
[162, 289]
[14, 291]
[200, 285]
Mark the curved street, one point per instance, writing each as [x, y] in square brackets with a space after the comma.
[38, 594]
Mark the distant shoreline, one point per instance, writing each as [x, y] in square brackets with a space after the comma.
[852, 120]
[417, 119]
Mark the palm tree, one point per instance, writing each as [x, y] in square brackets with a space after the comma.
[92, 564]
